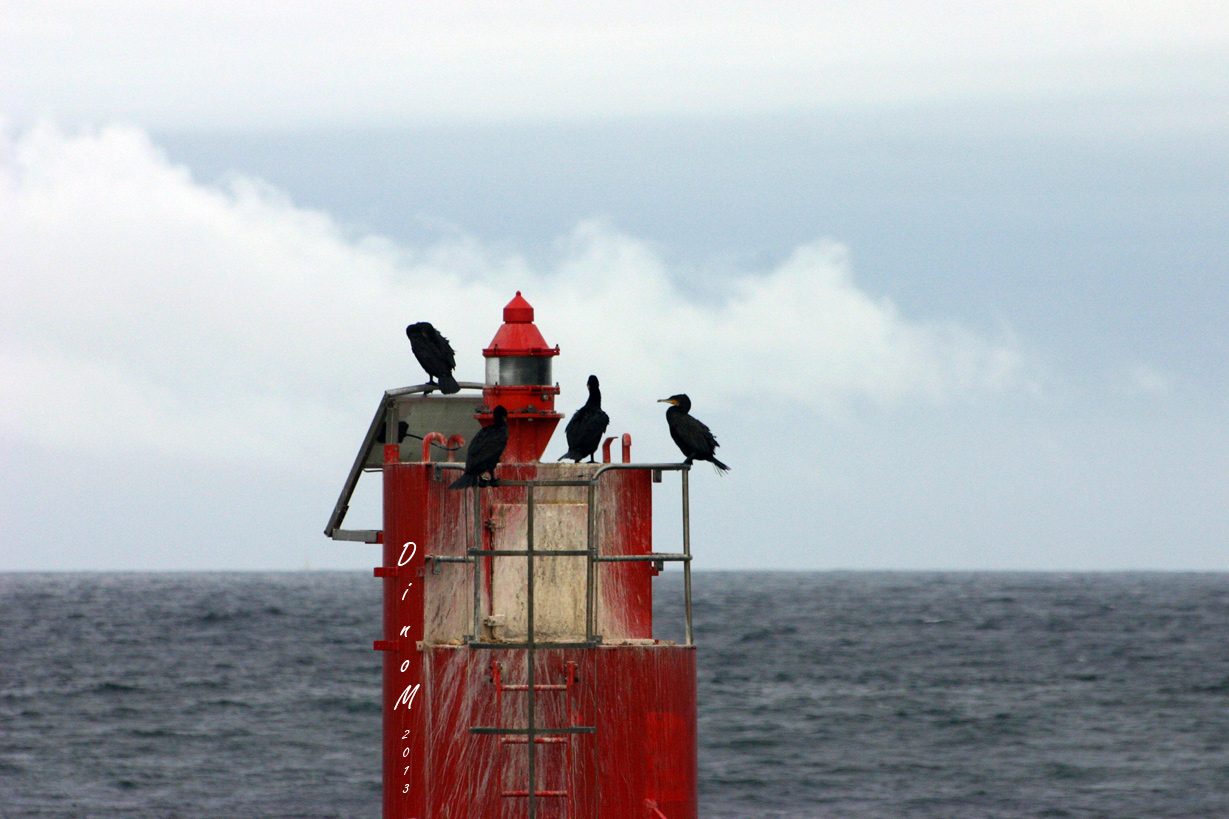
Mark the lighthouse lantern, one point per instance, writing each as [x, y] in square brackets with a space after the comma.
[518, 378]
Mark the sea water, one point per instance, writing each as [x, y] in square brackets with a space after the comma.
[910, 695]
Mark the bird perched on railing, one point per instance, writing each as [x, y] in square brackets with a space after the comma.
[435, 355]
[584, 430]
[692, 436]
[484, 453]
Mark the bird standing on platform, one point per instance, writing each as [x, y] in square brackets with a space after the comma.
[584, 430]
[484, 452]
[692, 436]
[435, 355]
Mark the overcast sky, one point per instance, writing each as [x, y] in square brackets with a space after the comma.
[949, 281]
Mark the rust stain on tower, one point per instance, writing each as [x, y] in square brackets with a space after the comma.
[521, 676]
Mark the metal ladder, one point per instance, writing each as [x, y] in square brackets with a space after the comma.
[568, 688]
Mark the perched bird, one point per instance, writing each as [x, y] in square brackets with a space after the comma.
[485, 451]
[435, 355]
[584, 431]
[692, 436]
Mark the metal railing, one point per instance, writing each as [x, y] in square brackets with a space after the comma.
[592, 551]
[385, 417]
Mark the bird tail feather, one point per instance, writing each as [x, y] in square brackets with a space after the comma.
[464, 481]
[720, 466]
[448, 384]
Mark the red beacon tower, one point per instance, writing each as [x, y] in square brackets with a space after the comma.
[521, 676]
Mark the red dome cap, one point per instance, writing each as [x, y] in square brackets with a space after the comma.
[518, 310]
[518, 335]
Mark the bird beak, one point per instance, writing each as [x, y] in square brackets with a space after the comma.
[665, 401]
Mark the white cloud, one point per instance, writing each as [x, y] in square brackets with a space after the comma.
[245, 64]
[150, 309]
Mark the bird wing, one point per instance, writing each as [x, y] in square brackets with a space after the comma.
[585, 422]
[445, 349]
[486, 448]
[699, 428]
[574, 423]
[692, 436]
[598, 422]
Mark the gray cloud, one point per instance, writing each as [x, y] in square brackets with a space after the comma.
[227, 311]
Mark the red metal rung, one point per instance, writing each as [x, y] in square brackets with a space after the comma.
[386, 645]
[387, 571]
[537, 793]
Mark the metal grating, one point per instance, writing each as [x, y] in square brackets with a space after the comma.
[475, 555]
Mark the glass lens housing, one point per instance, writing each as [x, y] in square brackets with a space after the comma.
[519, 371]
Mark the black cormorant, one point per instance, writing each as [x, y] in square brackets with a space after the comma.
[584, 431]
[485, 451]
[692, 436]
[435, 355]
